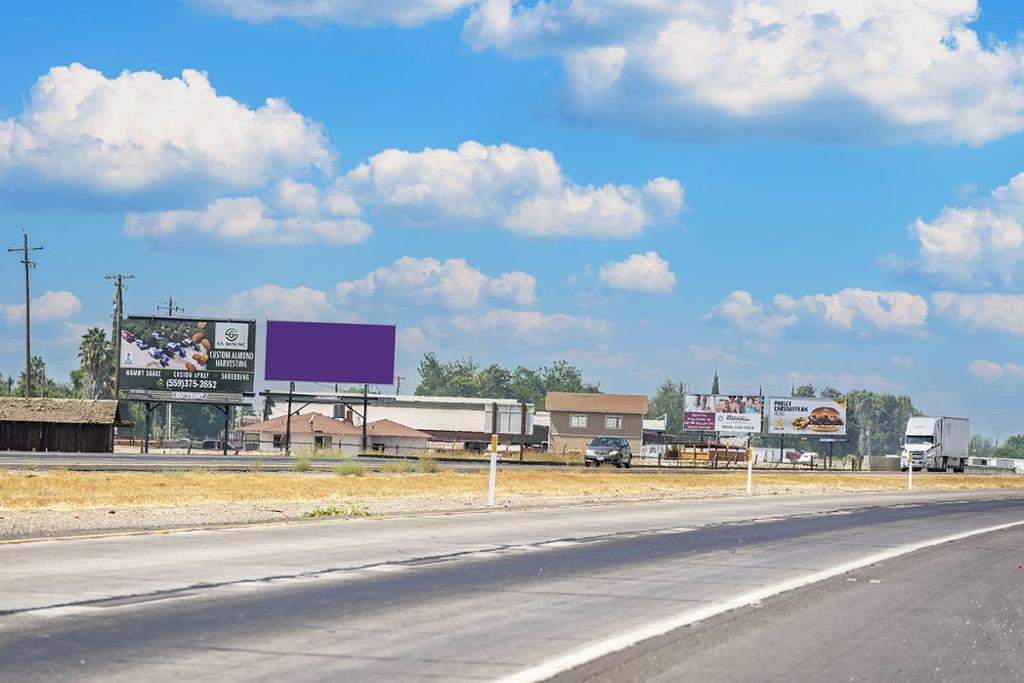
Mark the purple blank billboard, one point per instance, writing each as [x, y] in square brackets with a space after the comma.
[330, 352]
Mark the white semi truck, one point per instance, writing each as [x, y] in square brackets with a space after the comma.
[936, 443]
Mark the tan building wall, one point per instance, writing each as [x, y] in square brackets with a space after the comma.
[564, 438]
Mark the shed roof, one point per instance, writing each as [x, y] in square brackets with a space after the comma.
[305, 423]
[596, 403]
[391, 428]
[59, 410]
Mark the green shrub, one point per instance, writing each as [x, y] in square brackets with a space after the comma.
[302, 464]
[397, 466]
[335, 511]
[350, 469]
[256, 466]
[427, 465]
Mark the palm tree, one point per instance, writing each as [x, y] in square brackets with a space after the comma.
[95, 355]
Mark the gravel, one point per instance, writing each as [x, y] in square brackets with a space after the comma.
[19, 524]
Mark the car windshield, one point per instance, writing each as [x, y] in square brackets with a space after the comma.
[918, 439]
[604, 441]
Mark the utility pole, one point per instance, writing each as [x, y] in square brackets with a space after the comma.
[119, 279]
[171, 309]
[29, 264]
[398, 384]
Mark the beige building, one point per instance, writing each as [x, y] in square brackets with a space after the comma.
[577, 418]
[388, 436]
[309, 431]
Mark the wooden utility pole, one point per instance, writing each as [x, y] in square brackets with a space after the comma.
[118, 315]
[171, 309]
[398, 384]
[29, 264]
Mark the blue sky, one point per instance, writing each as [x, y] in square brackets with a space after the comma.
[650, 193]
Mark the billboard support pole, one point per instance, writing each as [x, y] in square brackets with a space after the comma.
[149, 426]
[227, 427]
[366, 404]
[522, 430]
[288, 421]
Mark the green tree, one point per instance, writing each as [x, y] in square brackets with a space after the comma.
[454, 378]
[805, 391]
[96, 359]
[714, 383]
[494, 381]
[562, 376]
[668, 400]
[528, 387]
[1013, 447]
[464, 377]
[982, 446]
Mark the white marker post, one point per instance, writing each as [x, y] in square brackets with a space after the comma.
[494, 470]
[750, 471]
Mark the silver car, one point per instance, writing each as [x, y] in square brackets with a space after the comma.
[613, 449]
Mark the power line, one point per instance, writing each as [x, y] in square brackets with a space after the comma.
[29, 264]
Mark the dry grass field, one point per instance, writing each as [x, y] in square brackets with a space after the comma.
[60, 489]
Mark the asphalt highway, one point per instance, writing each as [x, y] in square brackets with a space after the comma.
[525, 595]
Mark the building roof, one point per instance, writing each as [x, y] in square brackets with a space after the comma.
[306, 423]
[59, 411]
[596, 403]
[385, 428]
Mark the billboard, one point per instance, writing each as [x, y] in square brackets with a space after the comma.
[186, 359]
[807, 416]
[330, 352]
[722, 413]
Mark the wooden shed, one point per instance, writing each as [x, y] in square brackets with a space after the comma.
[58, 424]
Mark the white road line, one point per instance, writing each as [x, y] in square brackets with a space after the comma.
[598, 649]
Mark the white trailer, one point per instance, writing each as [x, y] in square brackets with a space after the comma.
[936, 444]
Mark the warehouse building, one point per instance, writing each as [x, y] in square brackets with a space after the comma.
[65, 425]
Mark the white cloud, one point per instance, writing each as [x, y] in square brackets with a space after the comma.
[349, 12]
[506, 328]
[806, 68]
[453, 283]
[711, 354]
[59, 305]
[902, 361]
[882, 309]
[741, 311]
[639, 273]
[504, 186]
[139, 130]
[988, 371]
[999, 312]
[298, 213]
[286, 303]
[979, 245]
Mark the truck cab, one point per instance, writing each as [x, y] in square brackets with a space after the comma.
[919, 441]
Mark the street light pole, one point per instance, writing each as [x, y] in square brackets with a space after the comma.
[29, 264]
